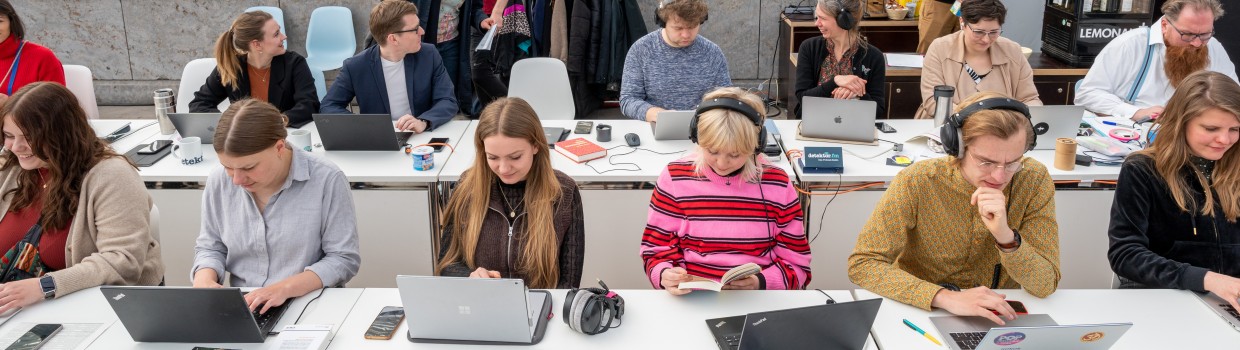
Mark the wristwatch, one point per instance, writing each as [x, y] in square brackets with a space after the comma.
[427, 122]
[1015, 241]
[49, 286]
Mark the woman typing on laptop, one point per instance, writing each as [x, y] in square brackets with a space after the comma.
[512, 215]
[1166, 230]
[725, 206]
[69, 202]
[273, 216]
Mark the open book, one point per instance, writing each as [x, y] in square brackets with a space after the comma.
[736, 273]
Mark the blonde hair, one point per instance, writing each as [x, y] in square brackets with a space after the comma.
[236, 41]
[834, 7]
[1000, 123]
[510, 117]
[729, 131]
[1198, 93]
[388, 17]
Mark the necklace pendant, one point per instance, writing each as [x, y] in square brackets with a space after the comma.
[512, 214]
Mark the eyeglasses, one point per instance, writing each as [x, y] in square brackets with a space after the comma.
[1189, 37]
[978, 33]
[415, 30]
[989, 167]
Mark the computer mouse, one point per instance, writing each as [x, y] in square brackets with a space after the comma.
[632, 140]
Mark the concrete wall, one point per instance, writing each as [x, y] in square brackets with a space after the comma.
[136, 46]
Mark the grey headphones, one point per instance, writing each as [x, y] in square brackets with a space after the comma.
[592, 310]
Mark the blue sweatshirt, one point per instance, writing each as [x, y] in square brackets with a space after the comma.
[659, 75]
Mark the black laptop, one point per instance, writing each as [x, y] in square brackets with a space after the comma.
[190, 315]
[359, 132]
[200, 125]
[844, 326]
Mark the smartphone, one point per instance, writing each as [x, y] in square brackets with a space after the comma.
[438, 148]
[884, 127]
[155, 147]
[35, 337]
[1017, 306]
[583, 127]
[386, 323]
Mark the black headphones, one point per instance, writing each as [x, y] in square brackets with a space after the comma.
[592, 310]
[949, 133]
[844, 18]
[658, 20]
[735, 105]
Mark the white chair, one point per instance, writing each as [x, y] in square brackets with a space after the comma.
[192, 78]
[155, 222]
[276, 14]
[79, 80]
[543, 83]
[1115, 281]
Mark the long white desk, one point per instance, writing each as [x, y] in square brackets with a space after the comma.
[652, 319]
[1161, 318]
[89, 306]
[393, 217]
[1083, 212]
[616, 202]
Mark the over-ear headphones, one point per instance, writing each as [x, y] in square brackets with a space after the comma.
[662, 23]
[844, 18]
[592, 310]
[732, 104]
[949, 133]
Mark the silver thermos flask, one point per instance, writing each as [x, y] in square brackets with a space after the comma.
[165, 102]
[942, 103]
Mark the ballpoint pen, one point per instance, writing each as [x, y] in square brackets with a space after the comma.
[1108, 122]
[923, 333]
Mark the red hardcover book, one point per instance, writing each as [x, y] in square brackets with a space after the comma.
[580, 150]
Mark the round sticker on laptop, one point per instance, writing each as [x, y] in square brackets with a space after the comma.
[1012, 338]
[1092, 337]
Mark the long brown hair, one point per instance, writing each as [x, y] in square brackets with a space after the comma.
[58, 133]
[248, 127]
[236, 41]
[510, 117]
[1200, 92]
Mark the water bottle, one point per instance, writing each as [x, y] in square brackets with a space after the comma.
[165, 102]
[942, 103]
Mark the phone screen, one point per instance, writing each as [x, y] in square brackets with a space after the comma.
[35, 337]
[583, 127]
[155, 147]
[386, 323]
[1017, 306]
[438, 140]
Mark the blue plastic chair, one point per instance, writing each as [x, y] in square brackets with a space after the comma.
[320, 83]
[275, 13]
[330, 40]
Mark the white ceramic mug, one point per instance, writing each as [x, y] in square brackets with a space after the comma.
[188, 149]
[300, 139]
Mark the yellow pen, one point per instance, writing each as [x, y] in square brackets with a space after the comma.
[923, 333]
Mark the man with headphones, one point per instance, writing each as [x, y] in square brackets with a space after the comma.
[672, 67]
[949, 230]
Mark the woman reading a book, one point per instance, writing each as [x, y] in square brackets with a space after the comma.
[512, 215]
[725, 206]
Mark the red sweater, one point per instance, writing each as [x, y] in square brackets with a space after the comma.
[37, 63]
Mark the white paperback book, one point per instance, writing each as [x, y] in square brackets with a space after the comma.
[736, 273]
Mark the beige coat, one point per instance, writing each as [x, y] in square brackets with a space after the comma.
[110, 241]
[1010, 73]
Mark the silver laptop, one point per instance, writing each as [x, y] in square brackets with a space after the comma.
[200, 125]
[672, 125]
[835, 119]
[460, 310]
[1222, 308]
[1033, 331]
[1053, 122]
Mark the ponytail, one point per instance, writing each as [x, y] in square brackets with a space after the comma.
[235, 42]
[226, 61]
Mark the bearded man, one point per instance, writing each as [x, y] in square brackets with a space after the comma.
[1136, 73]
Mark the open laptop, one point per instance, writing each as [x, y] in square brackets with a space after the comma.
[1032, 331]
[830, 326]
[481, 311]
[359, 132]
[672, 125]
[200, 125]
[190, 315]
[839, 120]
[1053, 122]
[1222, 308]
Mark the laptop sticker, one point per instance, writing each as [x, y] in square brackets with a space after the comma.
[1012, 338]
[1092, 337]
[118, 297]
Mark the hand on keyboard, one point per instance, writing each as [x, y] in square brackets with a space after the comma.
[1225, 287]
[979, 301]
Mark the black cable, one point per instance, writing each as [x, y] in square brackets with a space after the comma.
[838, 185]
[611, 159]
[765, 217]
[830, 300]
[303, 310]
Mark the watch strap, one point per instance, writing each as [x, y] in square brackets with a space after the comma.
[1015, 241]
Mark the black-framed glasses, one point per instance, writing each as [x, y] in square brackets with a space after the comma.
[1189, 37]
[415, 30]
[978, 33]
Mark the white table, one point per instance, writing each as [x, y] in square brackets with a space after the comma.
[89, 306]
[394, 220]
[1161, 318]
[653, 319]
[1083, 212]
[616, 203]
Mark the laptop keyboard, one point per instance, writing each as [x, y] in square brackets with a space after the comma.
[732, 341]
[1230, 310]
[267, 321]
[968, 340]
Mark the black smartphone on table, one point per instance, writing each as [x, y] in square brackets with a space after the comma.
[386, 323]
[884, 127]
[443, 140]
[155, 147]
[35, 337]
[583, 127]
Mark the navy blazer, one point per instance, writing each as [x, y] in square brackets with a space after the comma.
[430, 89]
